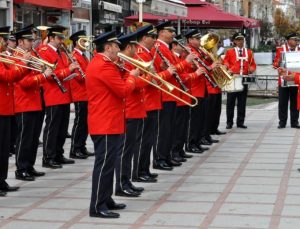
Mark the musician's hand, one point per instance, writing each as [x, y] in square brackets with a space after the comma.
[171, 69]
[48, 72]
[191, 57]
[26, 56]
[288, 77]
[216, 64]
[200, 71]
[229, 71]
[163, 66]
[281, 71]
[135, 72]
[73, 66]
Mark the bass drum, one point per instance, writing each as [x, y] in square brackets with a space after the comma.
[235, 85]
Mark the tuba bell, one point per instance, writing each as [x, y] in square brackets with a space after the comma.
[208, 46]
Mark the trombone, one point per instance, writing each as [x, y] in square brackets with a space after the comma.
[12, 62]
[144, 66]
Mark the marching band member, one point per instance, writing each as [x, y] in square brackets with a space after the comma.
[106, 92]
[182, 110]
[240, 61]
[134, 114]
[7, 77]
[79, 98]
[198, 89]
[287, 93]
[28, 106]
[163, 146]
[146, 37]
[57, 103]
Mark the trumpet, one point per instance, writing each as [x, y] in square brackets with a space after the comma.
[144, 66]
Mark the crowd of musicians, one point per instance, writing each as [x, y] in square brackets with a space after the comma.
[141, 93]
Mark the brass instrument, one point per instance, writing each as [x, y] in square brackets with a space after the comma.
[40, 64]
[144, 66]
[73, 60]
[88, 44]
[208, 44]
[12, 62]
[198, 61]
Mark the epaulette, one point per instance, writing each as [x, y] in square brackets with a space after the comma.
[140, 50]
[44, 49]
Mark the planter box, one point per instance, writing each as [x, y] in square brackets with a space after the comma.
[263, 58]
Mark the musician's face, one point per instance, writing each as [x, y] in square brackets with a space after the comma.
[239, 42]
[150, 41]
[112, 51]
[168, 35]
[194, 41]
[293, 42]
[3, 43]
[11, 43]
[27, 44]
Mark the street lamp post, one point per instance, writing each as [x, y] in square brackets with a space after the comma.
[140, 2]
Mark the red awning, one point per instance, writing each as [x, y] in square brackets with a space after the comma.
[64, 4]
[201, 14]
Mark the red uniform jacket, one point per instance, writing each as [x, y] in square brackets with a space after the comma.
[180, 67]
[78, 89]
[52, 94]
[198, 85]
[27, 95]
[106, 92]
[7, 77]
[135, 107]
[297, 81]
[277, 59]
[233, 64]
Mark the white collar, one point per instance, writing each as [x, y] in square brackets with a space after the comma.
[177, 54]
[77, 50]
[144, 47]
[55, 49]
[163, 43]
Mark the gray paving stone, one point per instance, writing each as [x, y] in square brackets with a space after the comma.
[32, 225]
[251, 198]
[247, 209]
[232, 221]
[49, 215]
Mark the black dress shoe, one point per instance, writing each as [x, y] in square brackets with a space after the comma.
[184, 155]
[153, 175]
[52, 164]
[84, 151]
[202, 148]
[135, 188]
[295, 126]
[171, 162]
[229, 126]
[6, 188]
[105, 214]
[127, 193]
[77, 154]
[211, 140]
[179, 159]
[114, 206]
[242, 126]
[162, 166]
[24, 175]
[2, 193]
[280, 126]
[33, 172]
[204, 141]
[193, 149]
[145, 179]
[68, 135]
[63, 160]
[218, 132]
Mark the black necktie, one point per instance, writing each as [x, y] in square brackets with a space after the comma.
[240, 52]
[292, 50]
[58, 52]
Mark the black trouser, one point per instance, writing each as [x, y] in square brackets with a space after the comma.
[80, 130]
[130, 147]
[286, 94]
[5, 128]
[42, 116]
[163, 146]
[27, 139]
[180, 131]
[13, 134]
[107, 148]
[55, 131]
[213, 106]
[241, 98]
[195, 123]
[148, 130]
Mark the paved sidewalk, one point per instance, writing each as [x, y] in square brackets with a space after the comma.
[248, 180]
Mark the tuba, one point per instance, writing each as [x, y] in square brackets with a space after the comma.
[208, 47]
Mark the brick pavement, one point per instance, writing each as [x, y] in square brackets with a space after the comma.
[248, 180]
